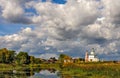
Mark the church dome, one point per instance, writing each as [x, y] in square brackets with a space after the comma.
[92, 53]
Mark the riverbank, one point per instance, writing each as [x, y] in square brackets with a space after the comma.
[85, 70]
[89, 65]
[6, 67]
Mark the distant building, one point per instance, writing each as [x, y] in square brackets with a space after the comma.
[91, 57]
[68, 60]
[52, 60]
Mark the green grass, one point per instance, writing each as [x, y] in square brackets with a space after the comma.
[7, 67]
[105, 70]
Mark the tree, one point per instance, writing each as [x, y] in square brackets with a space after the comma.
[37, 61]
[6, 56]
[32, 59]
[10, 55]
[2, 55]
[22, 58]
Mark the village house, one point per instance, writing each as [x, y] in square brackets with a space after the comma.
[68, 60]
[91, 57]
[52, 60]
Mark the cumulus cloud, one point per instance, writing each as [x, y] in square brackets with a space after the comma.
[64, 22]
[72, 27]
[25, 40]
[12, 11]
[111, 11]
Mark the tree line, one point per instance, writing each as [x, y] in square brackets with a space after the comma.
[10, 56]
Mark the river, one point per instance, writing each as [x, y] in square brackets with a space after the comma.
[30, 73]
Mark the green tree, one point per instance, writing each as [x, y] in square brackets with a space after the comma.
[22, 58]
[32, 59]
[10, 55]
[37, 61]
[6, 56]
[2, 55]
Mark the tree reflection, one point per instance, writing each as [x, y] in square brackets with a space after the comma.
[51, 70]
[16, 73]
[23, 73]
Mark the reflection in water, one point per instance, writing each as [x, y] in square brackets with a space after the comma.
[41, 73]
[53, 73]
[24, 73]
[30, 73]
[46, 73]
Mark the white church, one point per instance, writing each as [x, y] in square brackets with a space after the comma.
[91, 57]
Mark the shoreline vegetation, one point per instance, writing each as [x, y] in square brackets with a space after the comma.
[93, 70]
[10, 61]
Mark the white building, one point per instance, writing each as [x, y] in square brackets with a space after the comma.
[91, 57]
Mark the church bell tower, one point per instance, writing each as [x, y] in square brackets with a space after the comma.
[86, 56]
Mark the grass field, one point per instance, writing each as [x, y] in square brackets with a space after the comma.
[97, 70]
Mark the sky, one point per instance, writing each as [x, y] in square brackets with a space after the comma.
[47, 28]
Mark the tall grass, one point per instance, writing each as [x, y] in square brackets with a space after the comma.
[93, 70]
[7, 67]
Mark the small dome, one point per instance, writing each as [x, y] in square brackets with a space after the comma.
[92, 53]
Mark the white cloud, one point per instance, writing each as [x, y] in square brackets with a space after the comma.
[26, 40]
[111, 11]
[76, 25]
[12, 11]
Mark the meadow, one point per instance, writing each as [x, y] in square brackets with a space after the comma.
[92, 70]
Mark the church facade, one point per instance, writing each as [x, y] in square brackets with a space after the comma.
[91, 57]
